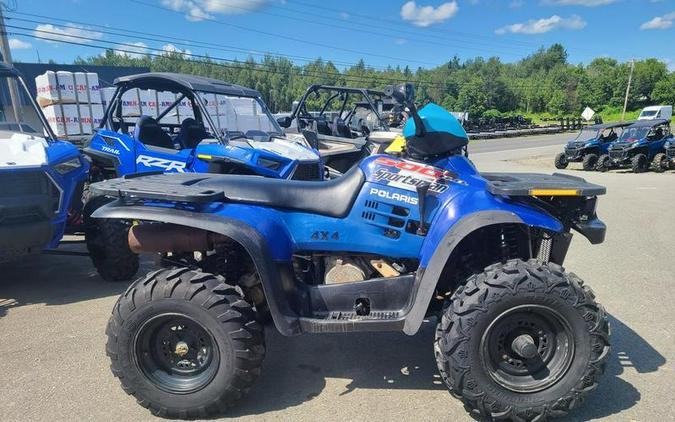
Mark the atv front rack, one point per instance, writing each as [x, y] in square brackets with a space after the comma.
[178, 187]
[534, 184]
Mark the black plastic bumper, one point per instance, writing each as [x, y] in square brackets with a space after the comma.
[594, 230]
[22, 239]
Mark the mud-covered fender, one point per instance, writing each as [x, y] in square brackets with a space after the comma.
[458, 219]
[250, 238]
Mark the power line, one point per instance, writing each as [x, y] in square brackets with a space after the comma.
[391, 32]
[131, 49]
[286, 37]
[169, 39]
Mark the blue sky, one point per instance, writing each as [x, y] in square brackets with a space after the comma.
[415, 33]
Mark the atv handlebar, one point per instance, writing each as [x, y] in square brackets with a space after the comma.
[405, 94]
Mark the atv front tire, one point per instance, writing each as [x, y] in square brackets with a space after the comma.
[660, 163]
[108, 245]
[590, 162]
[522, 341]
[639, 163]
[561, 161]
[603, 163]
[184, 343]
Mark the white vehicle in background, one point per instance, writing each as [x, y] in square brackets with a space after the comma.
[656, 112]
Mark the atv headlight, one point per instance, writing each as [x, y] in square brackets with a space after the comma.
[68, 166]
[270, 164]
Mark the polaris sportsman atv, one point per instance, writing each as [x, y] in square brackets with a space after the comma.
[589, 145]
[665, 160]
[191, 124]
[394, 240]
[42, 178]
[640, 145]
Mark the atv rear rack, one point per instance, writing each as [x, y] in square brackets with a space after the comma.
[534, 184]
[178, 187]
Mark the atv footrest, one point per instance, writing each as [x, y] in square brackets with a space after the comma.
[534, 184]
[352, 316]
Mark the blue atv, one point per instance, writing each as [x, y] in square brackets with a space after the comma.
[42, 178]
[391, 242]
[591, 143]
[642, 145]
[191, 124]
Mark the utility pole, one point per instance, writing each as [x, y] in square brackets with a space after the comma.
[630, 79]
[7, 58]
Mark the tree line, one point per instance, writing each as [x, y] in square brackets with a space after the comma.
[543, 82]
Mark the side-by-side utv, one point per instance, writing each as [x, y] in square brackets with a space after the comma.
[589, 145]
[639, 147]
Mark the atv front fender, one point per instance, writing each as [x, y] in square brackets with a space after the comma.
[248, 237]
[441, 242]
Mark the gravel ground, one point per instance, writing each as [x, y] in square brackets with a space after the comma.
[53, 310]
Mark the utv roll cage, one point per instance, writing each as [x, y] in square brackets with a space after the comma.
[8, 71]
[183, 85]
[363, 96]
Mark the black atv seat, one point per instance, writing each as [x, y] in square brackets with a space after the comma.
[333, 198]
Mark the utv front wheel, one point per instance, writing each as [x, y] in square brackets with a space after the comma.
[590, 162]
[604, 163]
[561, 161]
[184, 343]
[660, 163]
[639, 163]
[522, 341]
[108, 245]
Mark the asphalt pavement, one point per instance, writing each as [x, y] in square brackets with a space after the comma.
[53, 311]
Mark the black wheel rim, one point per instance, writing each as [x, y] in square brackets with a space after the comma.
[176, 353]
[552, 337]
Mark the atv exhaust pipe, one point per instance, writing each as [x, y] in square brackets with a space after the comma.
[166, 238]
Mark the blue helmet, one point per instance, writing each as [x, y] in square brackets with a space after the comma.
[442, 134]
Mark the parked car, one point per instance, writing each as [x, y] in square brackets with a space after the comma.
[228, 130]
[393, 241]
[591, 143]
[639, 145]
[41, 177]
[656, 112]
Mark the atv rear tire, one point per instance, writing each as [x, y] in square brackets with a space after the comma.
[561, 161]
[639, 163]
[590, 162]
[522, 341]
[660, 163]
[603, 163]
[108, 245]
[184, 343]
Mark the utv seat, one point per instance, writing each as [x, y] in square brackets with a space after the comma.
[149, 132]
[191, 133]
[333, 198]
[341, 129]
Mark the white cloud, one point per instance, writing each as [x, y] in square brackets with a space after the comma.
[428, 15]
[587, 3]
[540, 26]
[134, 50]
[660, 22]
[170, 48]
[70, 32]
[197, 10]
[17, 44]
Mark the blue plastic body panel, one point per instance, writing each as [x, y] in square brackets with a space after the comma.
[383, 217]
[67, 184]
[132, 156]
